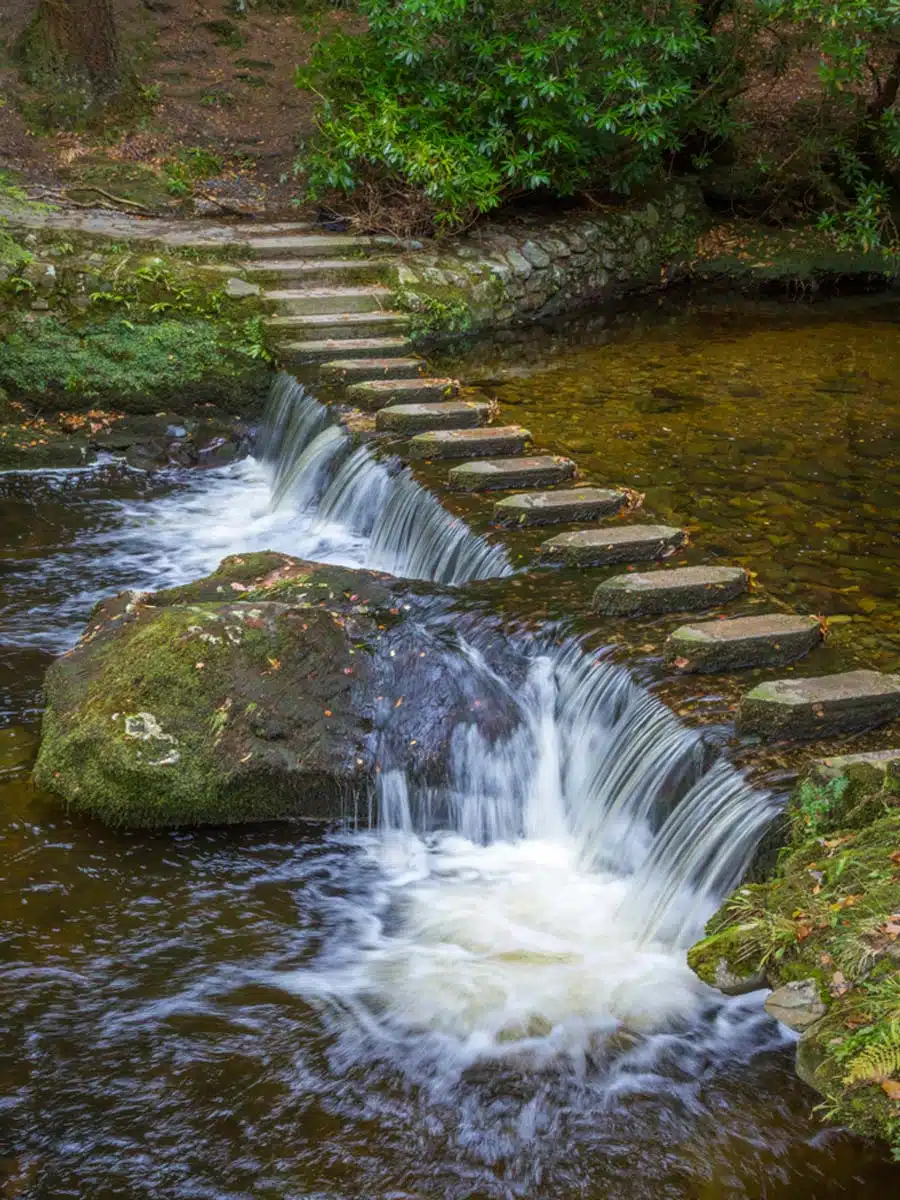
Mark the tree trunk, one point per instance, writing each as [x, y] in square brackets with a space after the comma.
[81, 36]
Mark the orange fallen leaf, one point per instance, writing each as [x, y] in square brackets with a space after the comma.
[891, 1088]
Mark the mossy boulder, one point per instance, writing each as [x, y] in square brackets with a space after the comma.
[828, 915]
[273, 689]
[247, 696]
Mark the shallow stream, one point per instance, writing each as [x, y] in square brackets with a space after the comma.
[485, 996]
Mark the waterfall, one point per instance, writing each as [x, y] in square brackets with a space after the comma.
[544, 876]
[598, 764]
[314, 469]
[541, 896]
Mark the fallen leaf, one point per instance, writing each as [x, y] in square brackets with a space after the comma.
[274, 663]
[891, 1088]
[682, 662]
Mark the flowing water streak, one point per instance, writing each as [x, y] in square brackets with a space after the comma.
[410, 533]
[541, 896]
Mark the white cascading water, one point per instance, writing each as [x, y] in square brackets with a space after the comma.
[408, 532]
[540, 895]
[541, 898]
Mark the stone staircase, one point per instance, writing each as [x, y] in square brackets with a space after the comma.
[333, 318]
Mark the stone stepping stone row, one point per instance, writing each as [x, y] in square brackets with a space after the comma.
[355, 340]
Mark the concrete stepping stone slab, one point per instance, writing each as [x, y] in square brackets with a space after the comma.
[321, 271]
[767, 640]
[353, 370]
[317, 350]
[465, 443]
[378, 393]
[451, 414]
[324, 300]
[673, 589]
[556, 508]
[599, 547]
[341, 325]
[301, 245]
[542, 470]
[801, 709]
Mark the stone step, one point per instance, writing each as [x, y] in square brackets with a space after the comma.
[801, 709]
[600, 547]
[672, 589]
[324, 300]
[379, 393]
[341, 325]
[542, 470]
[352, 370]
[466, 443]
[317, 272]
[328, 349]
[449, 414]
[311, 245]
[767, 640]
[557, 508]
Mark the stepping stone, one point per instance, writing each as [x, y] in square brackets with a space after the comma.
[463, 443]
[324, 300]
[377, 393]
[318, 351]
[799, 709]
[541, 471]
[318, 271]
[452, 414]
[599, 547]
[673, 589]
[311, 245]
[341, 325]
[555, 508]
[767, 640]
[350, 370]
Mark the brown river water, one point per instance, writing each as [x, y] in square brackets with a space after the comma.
[299, 1014]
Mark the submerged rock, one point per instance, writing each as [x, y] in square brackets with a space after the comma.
[265, 691]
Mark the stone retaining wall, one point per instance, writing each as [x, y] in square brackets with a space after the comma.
[514, 272]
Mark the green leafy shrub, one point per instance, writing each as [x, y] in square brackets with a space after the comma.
[471, 102]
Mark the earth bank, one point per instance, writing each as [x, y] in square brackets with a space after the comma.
[823, 930]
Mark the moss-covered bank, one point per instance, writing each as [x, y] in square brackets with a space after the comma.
[90, 324]
[829, 912]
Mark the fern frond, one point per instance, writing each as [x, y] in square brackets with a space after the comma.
[879, 1060]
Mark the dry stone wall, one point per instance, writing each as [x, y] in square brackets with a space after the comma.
[517, 271]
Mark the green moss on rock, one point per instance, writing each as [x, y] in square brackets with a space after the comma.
[830, 912]
[249, 695]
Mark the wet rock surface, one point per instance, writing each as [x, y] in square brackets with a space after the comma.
[810, 708]
[732, 644]
[502, 473]
[273, 689]
[674, 589]
[796, 1004]
[599, 547]
[551, 508]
